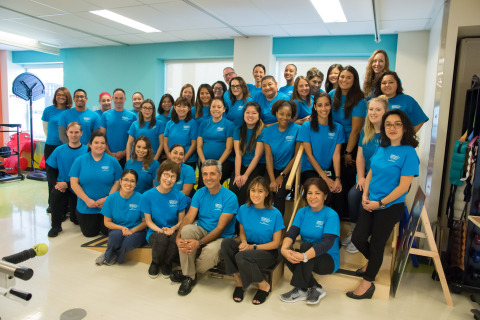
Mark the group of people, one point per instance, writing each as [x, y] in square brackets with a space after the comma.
[135, 180]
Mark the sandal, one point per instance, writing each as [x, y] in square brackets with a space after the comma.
[238, 294]
[260, 296]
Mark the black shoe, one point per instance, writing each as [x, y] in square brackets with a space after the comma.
[154, 270]
[54, 232]
[366, 295]
[166, 270]
[49, 210]
[360, 272]
[74, 221]
[186, 286]
[177, 276]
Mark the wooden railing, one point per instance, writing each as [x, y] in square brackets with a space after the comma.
[294, 181]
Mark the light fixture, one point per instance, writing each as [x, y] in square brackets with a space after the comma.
[124, 20]
[16, 40]
[329, 10]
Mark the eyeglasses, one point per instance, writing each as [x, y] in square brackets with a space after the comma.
[129, 181]
[169, 176]
[228, 74]
[396, 125]
[147, 108]
[80, 97]
[236, 87]
[218, 89]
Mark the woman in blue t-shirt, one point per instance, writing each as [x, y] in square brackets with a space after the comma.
[390, 85]
[239, 97]
[378, 63]
[148, 126]
[331, 81]
[187, 178]
[281, 146]
[62, 100]
[93, 177]
[164, 108]
[315, 80]
[215, 140]
[261, 227]
[248, 145]
[267, 97]
[202, 103]
[143, 163]
[393, 167]
[349, 109]
[123, 218]
[289, 74]
[182, 129]
[367, 145]
[303, 99]
[319, 227]
[164, 209]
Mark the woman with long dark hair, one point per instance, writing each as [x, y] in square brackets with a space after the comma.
[239, 97]
[143, 163]
[301, 96]
[165, 107]
[332, 77]
[202, 103]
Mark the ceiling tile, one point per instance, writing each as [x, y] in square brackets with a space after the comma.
[306, 29]
[111, 26]
[191, 35]
[273, 31]
[353, 28]
[98, 41]
[358, 10]
[221, 33]
[69, 6]
[30, 7]
[160, 37]
[402, 25]
[40, 25]
[80, 23]
[7, 14]
[405, 9]
[111, 4]
[130, 39]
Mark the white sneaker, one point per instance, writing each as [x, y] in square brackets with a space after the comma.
[351, 248]
[315, 294]
[347, 240]
[294, 295]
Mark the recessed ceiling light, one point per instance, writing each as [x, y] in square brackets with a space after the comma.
[124, 20]
[329, 10]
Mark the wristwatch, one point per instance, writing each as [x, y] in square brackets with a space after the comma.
[305, 259]
[347, 153]
[283, 174]
[254, 247]
[201, 244]
[382, 206]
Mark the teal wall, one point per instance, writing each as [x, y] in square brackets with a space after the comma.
[142, 67]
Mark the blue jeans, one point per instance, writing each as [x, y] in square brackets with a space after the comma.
[120, 245]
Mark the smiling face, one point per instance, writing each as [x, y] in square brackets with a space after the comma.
[315, 197]
[389, 86]
[167, 104]
[74, 133]
[290, 72]
[236, 89]
[119, 99]
[315, 84]
[378, 63]
[187, 93]
[258, 74]
[258, 195]
[128, 183]
[147, 111]
[61, 98]
[269, 88]
[284, 116]
[303, 89]
[106, 102]
[323, 108]
[394, 129]
[251, 116]
[376, 111]
[333, 76]
[218, 90]
[98, 145]
[168, 179]
[228, 74]
[217, 109]
[137, 100]
[177, 155]
[205, 96]
[80, 99]
[181, 110]
[211, 177]
[345, 81]
[141, 150]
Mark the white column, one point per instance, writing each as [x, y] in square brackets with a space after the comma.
[250, 51]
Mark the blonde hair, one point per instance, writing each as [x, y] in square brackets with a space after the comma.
[369, 129]
[370, 77]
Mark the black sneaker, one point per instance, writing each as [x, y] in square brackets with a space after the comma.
[166, 270]
[154, 270]
[54, 232]
[177, 276]
[186, 286]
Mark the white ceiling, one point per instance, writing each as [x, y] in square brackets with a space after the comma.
[69, 24]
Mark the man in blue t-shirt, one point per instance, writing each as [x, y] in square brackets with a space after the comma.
[216, 207]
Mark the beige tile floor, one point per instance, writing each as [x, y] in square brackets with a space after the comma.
[67, 278]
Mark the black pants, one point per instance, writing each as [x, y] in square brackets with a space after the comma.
[227, 169]
[249, 263]
[377, 224]
[60, 204]
[348, 177]
[242, 192]
[52, 173]
[302, 273]
[91, 224]
[192, 164]
[279, 197]
[164, 248]
[122, 162]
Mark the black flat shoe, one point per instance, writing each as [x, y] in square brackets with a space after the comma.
[260, 296]
[360, 272]
[238, 294]
[367, 295]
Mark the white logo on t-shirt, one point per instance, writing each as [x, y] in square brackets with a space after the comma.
[289, 138]
[173, 203]
[86, 119]
[319, 224]
[396, 106]
[265, 220]
[331, 135]
[186, 127]
[133, 206]
[218, 206]
[220, 129]
[105, 168]
[125, 118]
[393, 158]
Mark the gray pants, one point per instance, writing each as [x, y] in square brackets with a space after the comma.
[208, 258]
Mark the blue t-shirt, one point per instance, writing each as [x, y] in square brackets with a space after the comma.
[215, 136]
[88, 119]
[359, 110]
[260, 224]
[182, 133]
[388, 165]
[235, 112]
[287, 90]
[303, 108]
[117, 124]
[95, 177]
[163, 118]
[151, 133]
[368, 149]
[62, 159]
[145, 177]
[267, 116]
[282, 144]
[248, 156]
[410, 106]
[52, 115]
[323, 144]
[205, 115]
[211, 206]
[313, 225]
[124, 212]
[163, 207]
[99, 112]
[253, 90]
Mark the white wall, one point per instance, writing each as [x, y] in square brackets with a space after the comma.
[249, 52]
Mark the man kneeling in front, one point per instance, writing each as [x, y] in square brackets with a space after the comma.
[199, 245]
